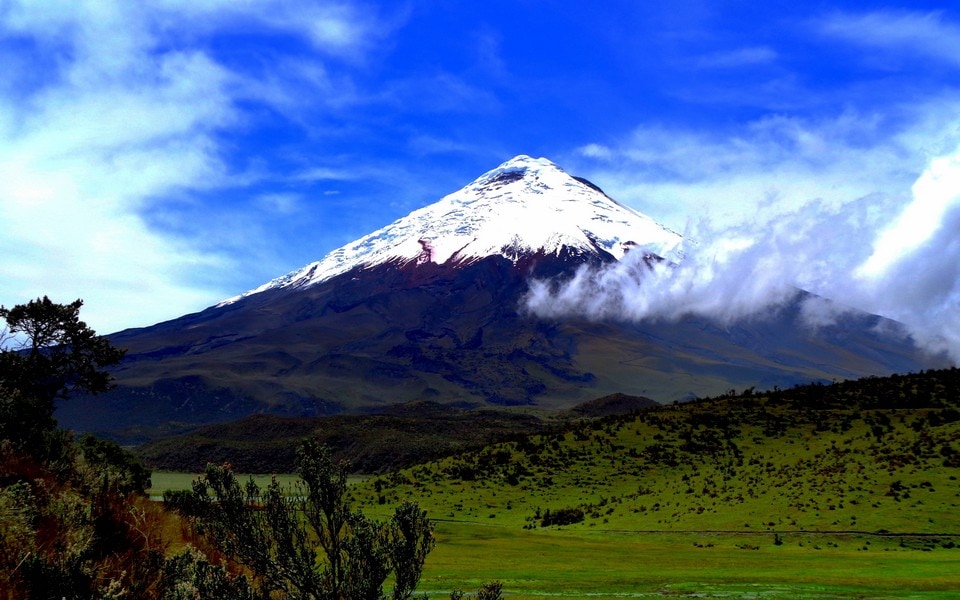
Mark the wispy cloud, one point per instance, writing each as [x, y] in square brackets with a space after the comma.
[928, 34]
[772, 165]
[734, 59]
[120, 105]
[439, 92]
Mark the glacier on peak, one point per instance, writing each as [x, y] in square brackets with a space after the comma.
[525, 205]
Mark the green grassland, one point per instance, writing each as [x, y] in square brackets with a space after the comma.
[842, 491]
[603, 564]
[820, 491]
[161, 481]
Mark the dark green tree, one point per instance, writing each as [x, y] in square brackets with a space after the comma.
[325, 508]
[366, 558]
[112, 466]
[47, 354]
[413, 541]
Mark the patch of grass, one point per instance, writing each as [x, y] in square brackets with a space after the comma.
[843, 491]
[823, 489]
[162, 481]
[565, 563]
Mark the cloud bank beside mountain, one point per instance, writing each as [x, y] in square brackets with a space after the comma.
[888, 254]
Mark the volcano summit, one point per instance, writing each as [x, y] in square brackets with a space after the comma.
[430, 308]
[524, 207]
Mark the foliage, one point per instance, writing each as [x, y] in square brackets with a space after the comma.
[72, 524]
[409, 547]
[562, 516]
[50, 354]
[372, 443]
[108, 461]
[189, 575]
[488, 591]
[74, 533]
[308, 544]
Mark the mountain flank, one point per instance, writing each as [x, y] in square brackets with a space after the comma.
[431, 309]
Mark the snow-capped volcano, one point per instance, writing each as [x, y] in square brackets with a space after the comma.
[524, 206]
[428, 309]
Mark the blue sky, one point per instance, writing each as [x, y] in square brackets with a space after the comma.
[157, 157]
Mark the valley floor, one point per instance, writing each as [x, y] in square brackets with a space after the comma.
[535, 564]
[820, 492]
[605, 564]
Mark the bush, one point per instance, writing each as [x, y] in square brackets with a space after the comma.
[563, 516]
[488, 591]
[279, 537]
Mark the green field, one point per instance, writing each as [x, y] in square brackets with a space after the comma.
[162, 481]
[603, 564]
[844, 491]
[600, 564]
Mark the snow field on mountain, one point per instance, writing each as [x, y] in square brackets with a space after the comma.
[524, 206]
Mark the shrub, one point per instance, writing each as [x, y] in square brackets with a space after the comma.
[562, 516]
[279, 537]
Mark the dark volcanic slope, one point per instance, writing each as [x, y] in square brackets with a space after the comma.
[387, 335]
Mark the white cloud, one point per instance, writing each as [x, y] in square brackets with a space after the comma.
[936, 194]
[926, 34]
[282, 203]
[772, 165]
[734, 59]
[913, 272]
[118, 105]
[854, 209]
[340, 28]
[728, 273]
[596, 151]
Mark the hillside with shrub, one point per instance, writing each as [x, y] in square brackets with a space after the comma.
[876, 457]
[398, 437]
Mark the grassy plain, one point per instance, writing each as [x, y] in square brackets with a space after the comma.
[843, 491]
[604, 564]
[161, 481]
